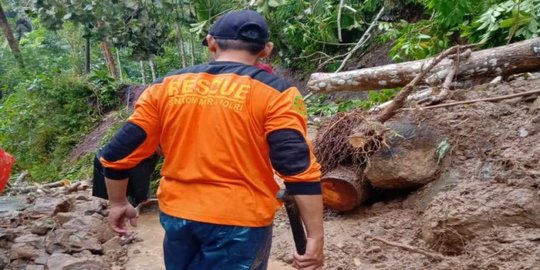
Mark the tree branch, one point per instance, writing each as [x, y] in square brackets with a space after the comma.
[479, 100]
[401, 97]
[365, 37]
[434, 256]
[340, 8]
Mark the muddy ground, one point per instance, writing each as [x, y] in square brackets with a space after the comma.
[481, 211]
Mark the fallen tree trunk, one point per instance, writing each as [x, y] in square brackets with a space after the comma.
[481, 65]
[368, 137]
[343, 190]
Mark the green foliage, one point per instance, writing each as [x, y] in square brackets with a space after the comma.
[43, 119]
[505, 22]
[414, 41]
[450, 13]
[83, 168]
[306, 32]
[127, 23]
[156, 177]
[104, 90]
[321, 105]
[489, 22]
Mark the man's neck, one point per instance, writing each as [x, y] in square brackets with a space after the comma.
[236, 56]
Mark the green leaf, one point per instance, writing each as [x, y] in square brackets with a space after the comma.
[424, 37]
[442, 150]
[274, 3]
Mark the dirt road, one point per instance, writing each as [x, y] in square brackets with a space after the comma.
[148, 255]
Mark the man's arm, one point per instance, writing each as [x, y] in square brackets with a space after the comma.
[311, 210]
[135, 141]
[117, 189]
[293, 159]
[120, 210]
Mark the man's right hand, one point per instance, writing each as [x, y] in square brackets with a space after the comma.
[313, 259]
[119, 215]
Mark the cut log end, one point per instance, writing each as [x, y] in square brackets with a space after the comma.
[358, 140]
[343, 190]
[339, 195]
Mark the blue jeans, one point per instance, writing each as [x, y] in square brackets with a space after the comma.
[202, 246]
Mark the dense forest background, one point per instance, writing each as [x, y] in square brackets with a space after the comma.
[63, 62]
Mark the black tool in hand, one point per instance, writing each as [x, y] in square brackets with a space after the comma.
[297, 227]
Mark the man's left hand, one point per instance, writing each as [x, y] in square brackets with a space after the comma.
[119, 215]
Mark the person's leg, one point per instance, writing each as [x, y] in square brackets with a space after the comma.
[180, 246]
[139, 180]
[99, 189]
[232, 247]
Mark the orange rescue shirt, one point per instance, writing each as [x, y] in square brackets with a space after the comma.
[223, 128]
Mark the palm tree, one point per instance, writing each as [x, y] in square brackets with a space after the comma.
[10, 38]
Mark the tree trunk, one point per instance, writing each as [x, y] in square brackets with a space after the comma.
[87, 50]
[181, 48]
[343, 190]
[191, 40]
[120, 73]
[480, 66]
[108, 55]
[13, 45]
[181, 45]
[152, 68]
[143, 73]
[109, 59]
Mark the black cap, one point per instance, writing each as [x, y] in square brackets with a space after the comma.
[247, 25]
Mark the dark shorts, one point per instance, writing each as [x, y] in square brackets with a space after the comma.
[196, 245]
[138, 189]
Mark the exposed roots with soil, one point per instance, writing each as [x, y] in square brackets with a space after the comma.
[332, 144]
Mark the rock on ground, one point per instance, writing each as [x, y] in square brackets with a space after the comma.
[456, 217]
[60, 231]
[43, 225]
[408, 160]
[50, 206]
[72, 241]
[67, 262]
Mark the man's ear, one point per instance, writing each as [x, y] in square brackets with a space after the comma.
[212, 44]
[267, 51]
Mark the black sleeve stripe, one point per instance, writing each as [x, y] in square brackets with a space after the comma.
[289, 152]
[303, 188]
[116, 174]
[126, 140]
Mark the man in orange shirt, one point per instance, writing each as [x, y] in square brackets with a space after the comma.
[224, 128]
